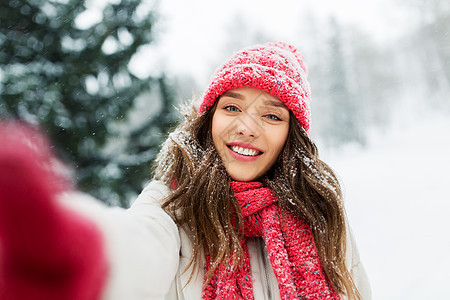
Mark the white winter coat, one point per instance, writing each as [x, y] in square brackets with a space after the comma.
[148, 253]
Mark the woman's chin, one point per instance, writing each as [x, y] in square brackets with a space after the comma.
[240, 177]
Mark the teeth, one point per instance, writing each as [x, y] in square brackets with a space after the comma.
[244, 151]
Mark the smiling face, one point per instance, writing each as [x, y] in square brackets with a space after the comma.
[249, 130]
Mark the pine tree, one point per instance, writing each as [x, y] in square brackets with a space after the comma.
[75, 83]
[343, 111]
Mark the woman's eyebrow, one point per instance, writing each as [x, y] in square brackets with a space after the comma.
[274, 103]
[233, 95]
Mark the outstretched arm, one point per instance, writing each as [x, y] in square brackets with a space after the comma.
[57, 243]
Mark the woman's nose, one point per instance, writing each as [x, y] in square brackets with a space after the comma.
[247, 125]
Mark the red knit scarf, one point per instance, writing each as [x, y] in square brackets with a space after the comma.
[290, 246]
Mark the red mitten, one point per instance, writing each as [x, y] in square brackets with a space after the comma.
[46, 251]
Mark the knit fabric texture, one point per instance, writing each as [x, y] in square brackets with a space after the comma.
[290, 246]
[276, 67]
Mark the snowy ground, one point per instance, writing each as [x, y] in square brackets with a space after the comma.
[398, 204]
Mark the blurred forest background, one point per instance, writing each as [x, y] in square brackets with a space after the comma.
[77, 79]
[75, 84]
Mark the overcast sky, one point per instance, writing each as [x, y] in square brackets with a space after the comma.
[193, 32]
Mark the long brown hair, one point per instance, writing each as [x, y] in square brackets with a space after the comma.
[203, 203]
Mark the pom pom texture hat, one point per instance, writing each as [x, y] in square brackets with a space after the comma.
[275, 67]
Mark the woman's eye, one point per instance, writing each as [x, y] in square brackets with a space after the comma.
[231, 108]
[273, 117]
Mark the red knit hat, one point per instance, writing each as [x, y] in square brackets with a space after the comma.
[276, 68]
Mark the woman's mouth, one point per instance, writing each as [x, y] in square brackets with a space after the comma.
[244, 151]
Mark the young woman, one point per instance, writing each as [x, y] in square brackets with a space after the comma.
[241, 206]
